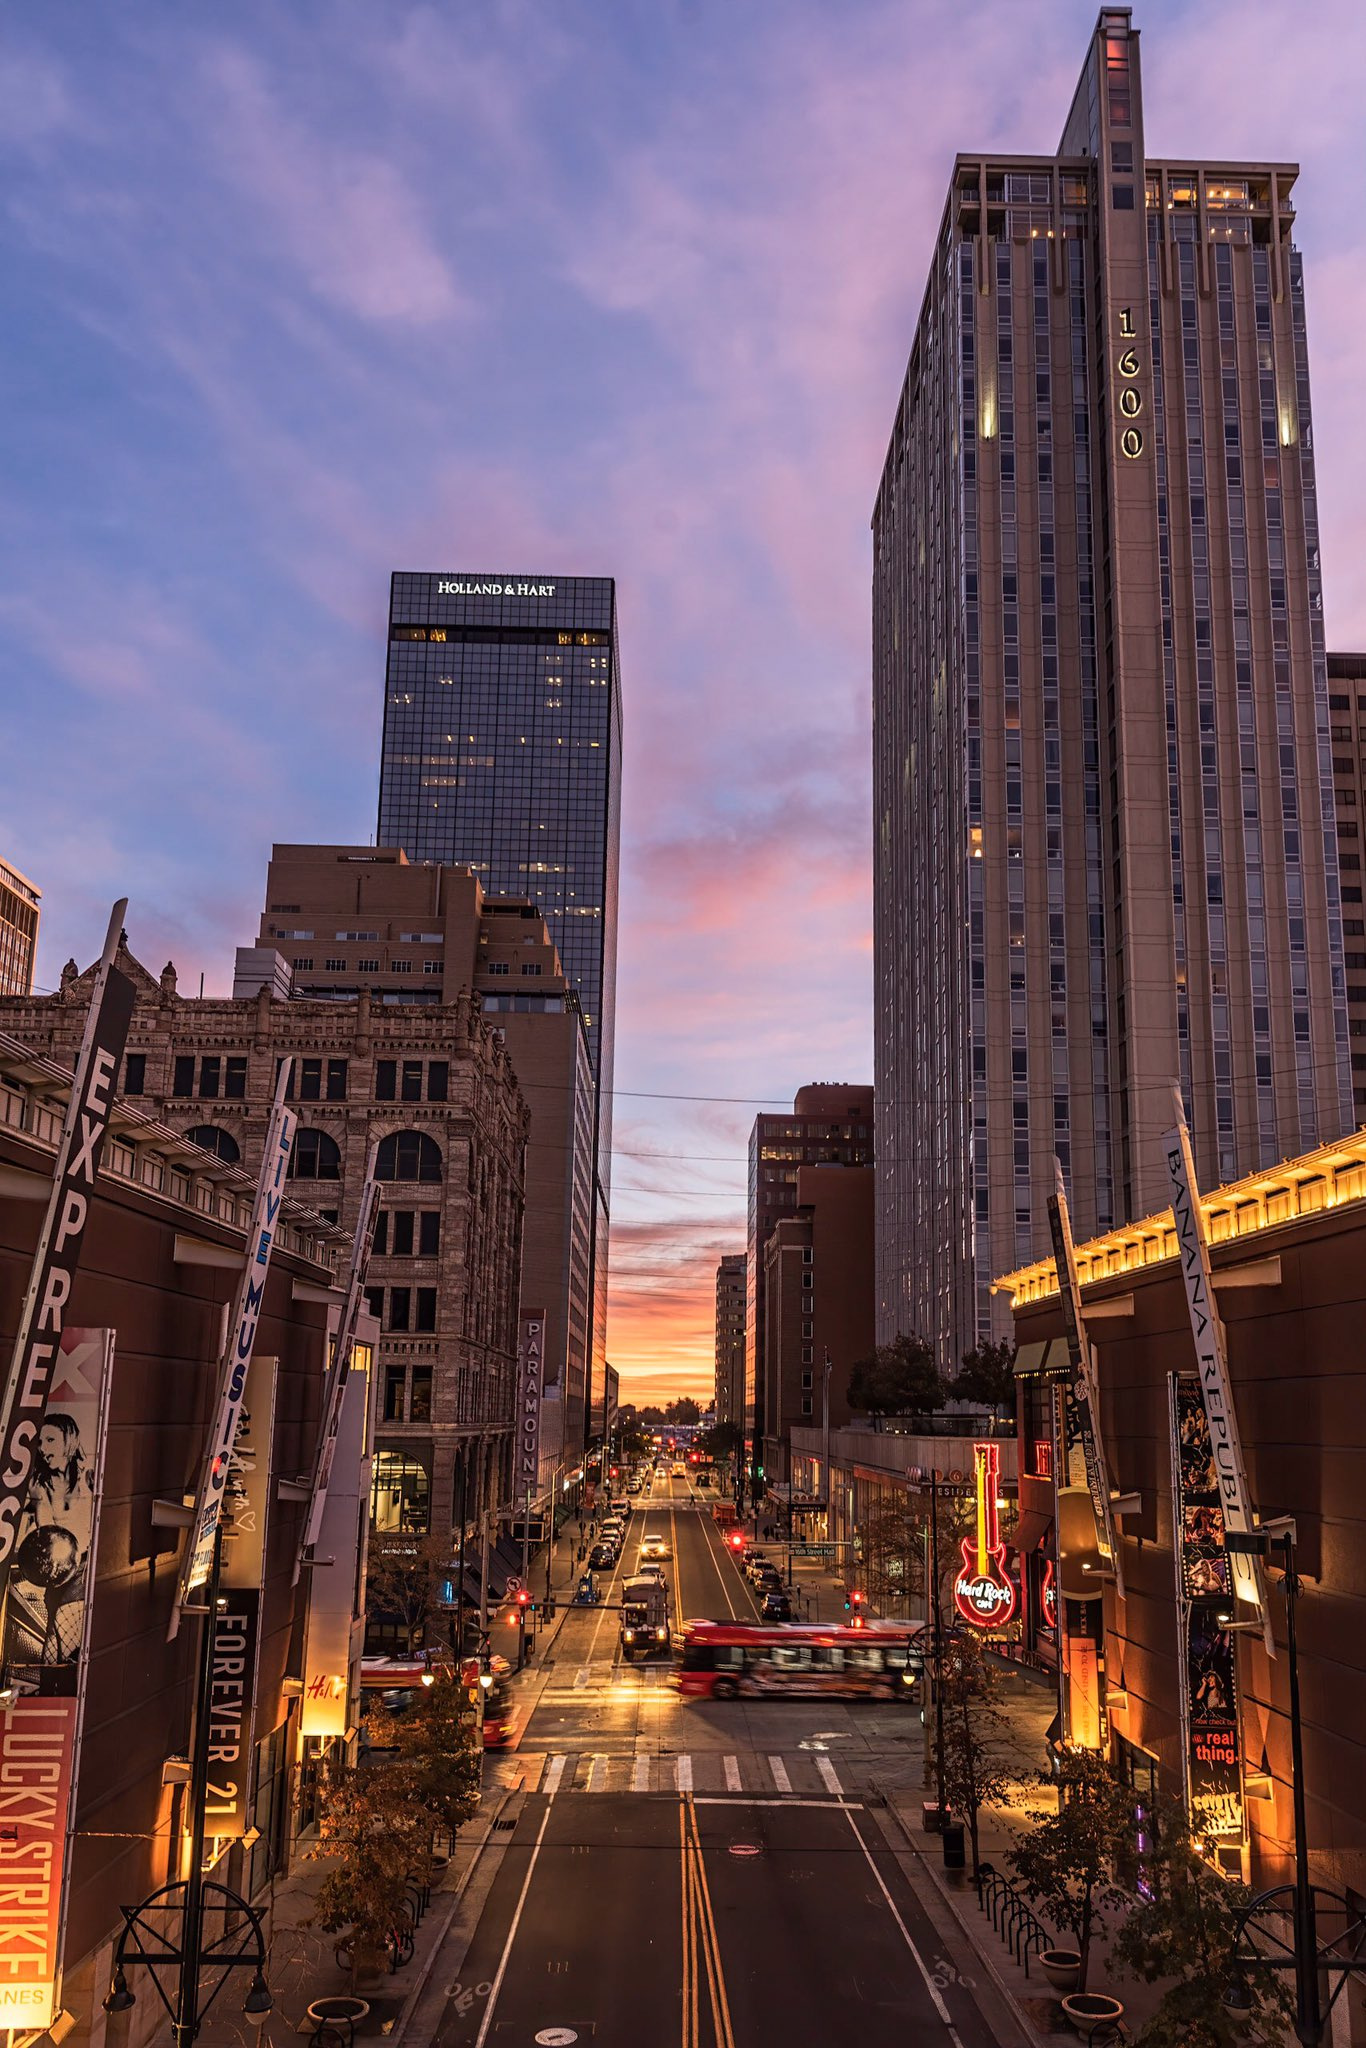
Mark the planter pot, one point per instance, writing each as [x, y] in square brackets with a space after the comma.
[369, 1965]
[1088, 2011]
[1061, 1966]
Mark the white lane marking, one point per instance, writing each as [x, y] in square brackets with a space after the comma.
[731, 1765]
[487, 2020]
[930, 1984]
[788, 1805]
[683, 1773]
[554, 1774]
[597, 1767]
[640, 1775]
[582, 1677]
[829, 1775]
[780, 1777]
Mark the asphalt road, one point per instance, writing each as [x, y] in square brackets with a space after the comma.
[709, 1874]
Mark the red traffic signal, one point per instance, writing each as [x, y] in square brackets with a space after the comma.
[737, 1541]
[523, 1598]
[857, 1598]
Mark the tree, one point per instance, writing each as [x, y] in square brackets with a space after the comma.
[974, 1725]
[900, 1378]
[723, 1440]
[403, 1582]
[381, 1838]
[1183, 1927]
[435, 1763]
[895, 1545]
[987, 1375]
[1069, 1861]
[632, 1441]
[684, 1411]
[653, 1416]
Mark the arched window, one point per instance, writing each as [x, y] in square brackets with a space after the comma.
[400, 1495]
[315, 1157]
[222, 1144]
[408, 1155]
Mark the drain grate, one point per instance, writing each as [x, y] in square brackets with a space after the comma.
[503, 1827]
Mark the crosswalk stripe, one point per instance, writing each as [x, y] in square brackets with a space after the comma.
[554, 1774]
[640, 1776]
[780, 1777]
[829, 1775]
[596, 1765]
[732, 1766]
[683, 1773]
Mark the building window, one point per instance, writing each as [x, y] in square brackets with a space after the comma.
[402, 1245]
[336, 1080]
[235, 1078]
[367, 967]
[429, 1233]
[400, 1495]
[400, 1304]
[424, 1309]
[335, 966]
[208, 1076]
[420, 1401]
[397, 966]
[395, 1385]
[380, 1243]
[411, 1087]
[315, 1157]
[386, 1080]
[221, 1143]
[135, 1074]
[531, 967]
[433, 967]
[408, 1155]
[305, 963]
[806, 1379]
[498, 967]
[374, 1302]
[806, 1404]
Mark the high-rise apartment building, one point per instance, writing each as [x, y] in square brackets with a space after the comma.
[1105, 849]
[1347, 740]
[828, 1124]
[729, 1395]
[20, 902]
[818, 1302]
[348, 918]
[502, 753]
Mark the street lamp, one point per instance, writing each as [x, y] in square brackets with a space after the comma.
[161, 1936]
[1306, 1957]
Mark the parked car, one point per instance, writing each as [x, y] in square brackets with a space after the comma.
[602, 1557]
[757, 1561]
[776, 1605]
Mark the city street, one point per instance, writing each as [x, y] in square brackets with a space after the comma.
[701, 1872]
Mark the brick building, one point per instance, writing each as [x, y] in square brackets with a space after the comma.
[729, 1394]
[348, 918]
[435, 1090]
[818, 1281]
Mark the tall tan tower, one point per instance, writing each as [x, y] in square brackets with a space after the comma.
[1105, 855]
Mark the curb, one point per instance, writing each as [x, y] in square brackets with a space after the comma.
[420, 1983]
[969, 1930]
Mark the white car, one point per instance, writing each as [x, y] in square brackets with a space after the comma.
[652, 1550]
[652, 1571]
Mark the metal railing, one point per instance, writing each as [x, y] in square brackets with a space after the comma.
[1018, 1925]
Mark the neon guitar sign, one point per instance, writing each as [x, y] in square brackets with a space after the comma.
[984, 1593]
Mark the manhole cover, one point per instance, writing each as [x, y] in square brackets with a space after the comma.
[556, 2037]
[744, 1848]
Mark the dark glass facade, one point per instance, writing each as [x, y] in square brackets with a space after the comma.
[502, 752]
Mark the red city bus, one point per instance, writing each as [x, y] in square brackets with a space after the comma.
[726, 1660]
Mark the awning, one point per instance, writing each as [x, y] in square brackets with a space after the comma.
[1031, 1530]
[1049, 1360]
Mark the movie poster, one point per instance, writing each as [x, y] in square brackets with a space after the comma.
[1213, 1773]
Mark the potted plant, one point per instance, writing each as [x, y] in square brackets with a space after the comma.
[1067, 1862]
[1184, 1927]
[380, 1837]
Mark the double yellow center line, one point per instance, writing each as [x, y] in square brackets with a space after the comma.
[701, 1950]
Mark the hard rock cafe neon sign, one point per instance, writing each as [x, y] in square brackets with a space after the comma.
[984, 1592]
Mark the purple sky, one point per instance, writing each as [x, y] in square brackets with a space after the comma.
[299, 295]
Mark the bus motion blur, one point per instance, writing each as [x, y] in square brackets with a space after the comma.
[724, 1660]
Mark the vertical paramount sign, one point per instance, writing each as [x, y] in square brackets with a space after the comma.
[530, 1380]
[1235, 1495]
[246, 1314]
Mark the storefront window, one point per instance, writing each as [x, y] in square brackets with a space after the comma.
[400, 1496]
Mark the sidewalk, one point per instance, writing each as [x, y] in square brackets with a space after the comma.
[301, 1966]
[1028, 1700]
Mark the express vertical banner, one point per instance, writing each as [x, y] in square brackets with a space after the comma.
[1213, 1769]
[74, 1175]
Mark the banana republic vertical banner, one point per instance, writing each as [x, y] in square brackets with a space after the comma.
[237, 1623]
[47, 1628]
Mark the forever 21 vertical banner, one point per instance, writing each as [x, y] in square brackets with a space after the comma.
[75, 1172]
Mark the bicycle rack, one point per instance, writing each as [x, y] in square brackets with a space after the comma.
[1018, 1925]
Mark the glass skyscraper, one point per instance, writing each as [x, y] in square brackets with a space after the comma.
[1105, 853]
[502, 751]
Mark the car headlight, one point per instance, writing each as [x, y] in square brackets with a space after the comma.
[629, 1634]
[661, 1633]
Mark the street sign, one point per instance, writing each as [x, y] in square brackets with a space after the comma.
[512, 1586]
[827, 1550]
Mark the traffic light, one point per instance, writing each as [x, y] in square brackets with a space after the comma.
[737, 1542]
[524, 1598]
[853, 1600]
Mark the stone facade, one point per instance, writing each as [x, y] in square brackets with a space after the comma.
[439, 1085]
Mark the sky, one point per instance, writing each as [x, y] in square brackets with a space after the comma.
[298, 295]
